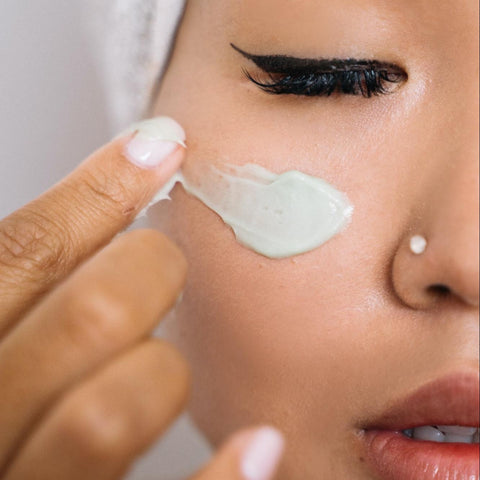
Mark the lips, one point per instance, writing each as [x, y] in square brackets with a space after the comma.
[453, 400]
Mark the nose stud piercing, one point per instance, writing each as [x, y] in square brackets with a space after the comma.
[418, 244]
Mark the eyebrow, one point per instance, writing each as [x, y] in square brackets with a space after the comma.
[285, 63]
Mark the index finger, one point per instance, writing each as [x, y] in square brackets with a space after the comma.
[43, 241]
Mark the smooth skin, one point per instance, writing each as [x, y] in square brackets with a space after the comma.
[322, 343]
[84, 387]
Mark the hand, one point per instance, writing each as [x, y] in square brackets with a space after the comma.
[84, 389]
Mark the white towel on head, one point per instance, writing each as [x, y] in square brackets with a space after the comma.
[136, 38]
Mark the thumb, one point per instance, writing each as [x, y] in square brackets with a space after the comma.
[251, 454]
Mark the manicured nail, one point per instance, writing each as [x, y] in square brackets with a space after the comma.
[154, 141]
[262, 455]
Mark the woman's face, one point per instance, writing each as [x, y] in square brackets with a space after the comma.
[324, 343]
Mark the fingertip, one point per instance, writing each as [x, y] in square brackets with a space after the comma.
[132, 172]
[249, 454]
[153, 141]
[262, 454]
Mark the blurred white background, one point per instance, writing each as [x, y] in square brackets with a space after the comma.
[52, 111]
[52, 117]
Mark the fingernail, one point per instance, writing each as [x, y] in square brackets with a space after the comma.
[262, 455]
[154, 140]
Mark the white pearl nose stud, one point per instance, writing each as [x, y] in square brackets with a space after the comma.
[418, 244]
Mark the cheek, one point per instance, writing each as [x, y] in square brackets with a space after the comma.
[264, 336]
[271, 327]
[229, 279]
[338, 142]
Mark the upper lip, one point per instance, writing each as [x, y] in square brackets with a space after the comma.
[452, 400]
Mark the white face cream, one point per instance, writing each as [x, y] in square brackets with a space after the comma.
[275, 215]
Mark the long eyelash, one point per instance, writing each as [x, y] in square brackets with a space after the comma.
[359, 80]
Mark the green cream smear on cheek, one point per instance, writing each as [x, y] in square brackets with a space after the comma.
[275, 215]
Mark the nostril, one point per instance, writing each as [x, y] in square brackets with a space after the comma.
[439, 290]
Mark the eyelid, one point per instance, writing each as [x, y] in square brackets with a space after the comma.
[288, 64]
[313, 77]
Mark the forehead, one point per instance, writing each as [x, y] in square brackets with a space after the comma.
[340, 23]
[313, 10]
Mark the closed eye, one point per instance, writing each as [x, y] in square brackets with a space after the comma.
[323, 77]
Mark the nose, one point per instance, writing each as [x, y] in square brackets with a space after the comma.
[448, 268]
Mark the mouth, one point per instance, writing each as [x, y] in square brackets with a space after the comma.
[432, 434]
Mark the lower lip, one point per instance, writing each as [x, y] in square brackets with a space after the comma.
[397, 457]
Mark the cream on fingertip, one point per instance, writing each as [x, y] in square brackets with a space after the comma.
[154, 141]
